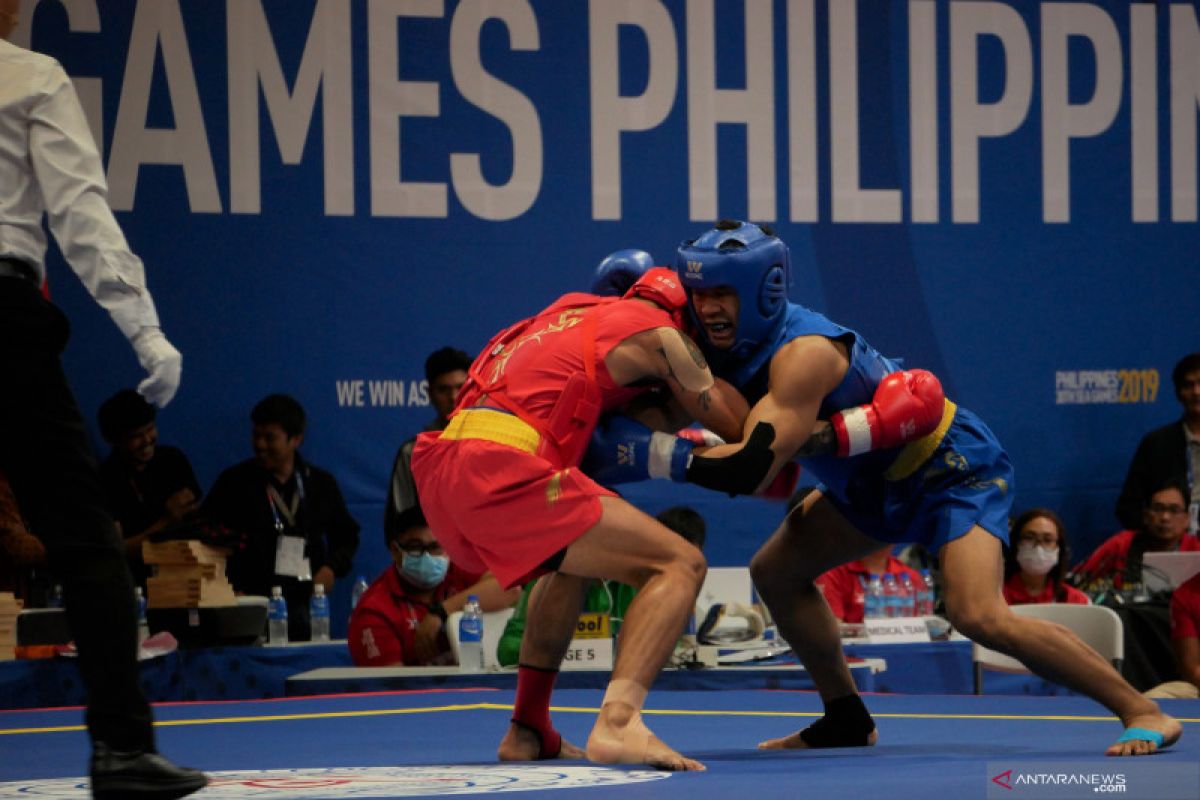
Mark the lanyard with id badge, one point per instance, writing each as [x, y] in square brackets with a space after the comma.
[290, 560]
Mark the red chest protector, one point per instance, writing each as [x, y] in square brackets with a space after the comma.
[549, 370]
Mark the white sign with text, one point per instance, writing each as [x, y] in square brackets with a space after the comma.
[589, 654]
[892, 630]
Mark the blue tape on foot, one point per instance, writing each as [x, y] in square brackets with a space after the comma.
[1142, 735]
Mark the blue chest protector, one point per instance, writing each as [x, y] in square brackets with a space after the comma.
[867, 368]
[965, 480]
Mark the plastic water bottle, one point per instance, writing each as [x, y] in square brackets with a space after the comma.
[927, 594]
[891, 596]
[143, 625]
[277, 618]
[921, 589]
[873, 598]
[360, 588]
[319, 614]
[470, 637]
[55, 598]
[908, 595]
[918, 596]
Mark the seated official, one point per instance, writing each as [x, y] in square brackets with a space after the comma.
[445, 373]
[1118, 561]
[603, 597]
[1036, 561]
[844, 587]
[149, 486]
[1173, 449]
[401, 617]
[1185, 640]
[290, 513]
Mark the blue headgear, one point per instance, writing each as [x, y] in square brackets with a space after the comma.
[620, 270]
[752, 261]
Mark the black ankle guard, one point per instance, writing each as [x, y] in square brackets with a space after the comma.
[846, 723]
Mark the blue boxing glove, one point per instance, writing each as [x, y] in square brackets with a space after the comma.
[620, 270]
[623, 450]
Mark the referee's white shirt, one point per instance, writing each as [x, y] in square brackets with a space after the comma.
[49, 164]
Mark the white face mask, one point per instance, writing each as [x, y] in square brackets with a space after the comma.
[1037, 560]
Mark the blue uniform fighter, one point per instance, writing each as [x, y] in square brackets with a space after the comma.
[897, 462]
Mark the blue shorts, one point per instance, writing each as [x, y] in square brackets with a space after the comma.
[967, 481]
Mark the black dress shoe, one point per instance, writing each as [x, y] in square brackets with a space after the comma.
[140, 775]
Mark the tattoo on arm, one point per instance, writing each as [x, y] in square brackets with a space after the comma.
[704, 396]
[694, 351]
[670, 370]
[822, 441]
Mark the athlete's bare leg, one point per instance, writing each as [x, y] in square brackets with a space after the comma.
[634, 548]
[972, 574]
[812, 540]
[550, 617]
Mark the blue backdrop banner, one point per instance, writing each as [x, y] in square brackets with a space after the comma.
[325, 191]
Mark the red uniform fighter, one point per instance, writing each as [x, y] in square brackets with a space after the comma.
[502, 491]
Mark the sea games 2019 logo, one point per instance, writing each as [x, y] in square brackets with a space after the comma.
[339, 782]
[1105, 386]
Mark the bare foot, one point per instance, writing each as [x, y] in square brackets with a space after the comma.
[794, 742]
[522, 744]
[620, 737]
[1168, 726]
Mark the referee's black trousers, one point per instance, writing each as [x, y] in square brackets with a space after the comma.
[45, 454]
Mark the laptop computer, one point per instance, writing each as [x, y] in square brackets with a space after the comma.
[1167, 571]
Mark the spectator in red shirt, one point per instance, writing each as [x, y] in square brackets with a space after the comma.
[401, 617]
[1185, 638]
[844, 586]
[1164, 529]
[1035, 563]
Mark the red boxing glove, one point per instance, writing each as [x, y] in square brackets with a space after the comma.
[907, 405]
[701, 437]
[783, 484]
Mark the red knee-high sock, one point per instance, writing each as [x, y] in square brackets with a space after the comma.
[532, 707]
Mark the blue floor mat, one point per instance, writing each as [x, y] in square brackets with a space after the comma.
[443, 742]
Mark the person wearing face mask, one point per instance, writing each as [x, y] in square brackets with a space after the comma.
[400, 620]
[1036, 563]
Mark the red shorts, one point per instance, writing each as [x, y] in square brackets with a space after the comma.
[498, 506]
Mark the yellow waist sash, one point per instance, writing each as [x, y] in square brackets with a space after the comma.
[918, 452]
[493, 426]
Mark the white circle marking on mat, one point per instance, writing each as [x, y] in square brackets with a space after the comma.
[315, 784]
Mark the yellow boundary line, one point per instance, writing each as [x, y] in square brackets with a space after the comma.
[570, 710]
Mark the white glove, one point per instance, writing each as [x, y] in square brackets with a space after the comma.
[162, 362]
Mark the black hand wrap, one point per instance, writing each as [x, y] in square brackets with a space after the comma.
[741, 472]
